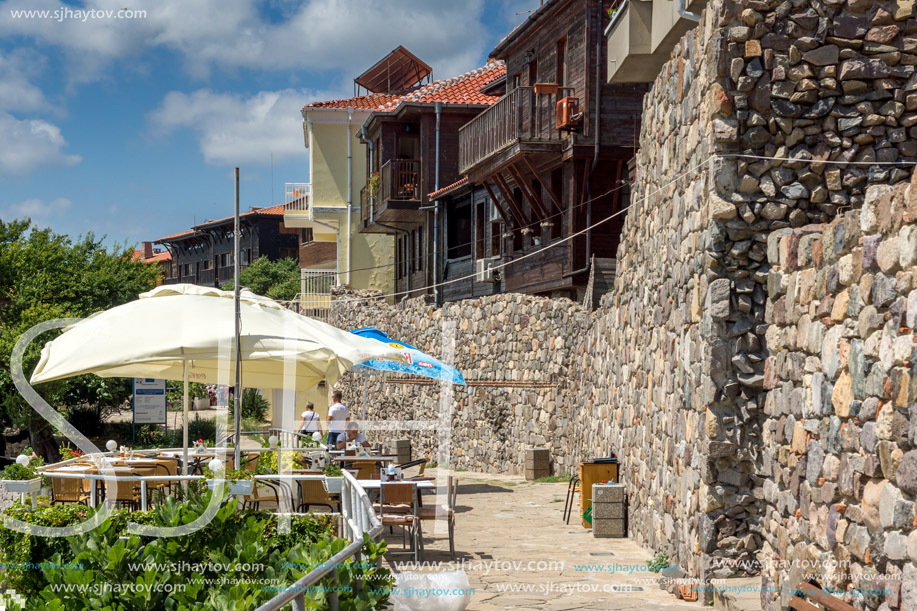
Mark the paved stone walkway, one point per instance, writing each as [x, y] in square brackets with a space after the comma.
[507, 520]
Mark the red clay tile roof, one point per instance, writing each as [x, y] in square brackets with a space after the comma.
[444, 190]
[269, 211]
[371, 101]
[464, 89]
[183, 234]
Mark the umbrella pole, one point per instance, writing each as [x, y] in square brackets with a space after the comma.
[184, 413]
[237, 405]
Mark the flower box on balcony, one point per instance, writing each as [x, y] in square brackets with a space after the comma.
[547, 88]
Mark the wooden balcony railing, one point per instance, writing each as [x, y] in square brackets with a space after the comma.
[520, 115]
[400, 180]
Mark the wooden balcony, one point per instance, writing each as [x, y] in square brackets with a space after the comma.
[398, 199]
[521, 121]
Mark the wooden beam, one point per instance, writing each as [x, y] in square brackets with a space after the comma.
[493, 198]
[527, 190]
[510, 200]
[551, 194]
[814, 592]
[796, 603]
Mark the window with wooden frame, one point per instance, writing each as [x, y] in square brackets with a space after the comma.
[561, 58]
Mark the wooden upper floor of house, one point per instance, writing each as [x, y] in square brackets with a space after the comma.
[557, 100]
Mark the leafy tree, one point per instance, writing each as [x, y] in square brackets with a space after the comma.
[45, 275]
[278, 280]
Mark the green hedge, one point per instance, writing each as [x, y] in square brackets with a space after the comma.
[115, 571]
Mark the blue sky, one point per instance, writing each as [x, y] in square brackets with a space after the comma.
[131, 127]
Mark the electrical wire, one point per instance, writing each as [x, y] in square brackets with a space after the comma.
[610, 191]
[540, 221]
[540, 250]
[794, 159]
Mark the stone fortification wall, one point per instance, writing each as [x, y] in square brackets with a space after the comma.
[841, 429]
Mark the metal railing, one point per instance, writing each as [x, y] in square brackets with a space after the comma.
[357, 517]
[521, 114]
[297, 195]
[314, 299]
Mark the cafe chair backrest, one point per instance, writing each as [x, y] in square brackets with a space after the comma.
[397, 493]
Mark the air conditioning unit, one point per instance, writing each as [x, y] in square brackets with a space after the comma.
[568, 114]
[483, 269]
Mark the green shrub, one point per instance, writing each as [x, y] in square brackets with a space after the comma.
[23, 552]
[333, 470]
[102, 563]
[659, 563]
[17, 472]
[202, 428]
[254, 406]
[88, 419]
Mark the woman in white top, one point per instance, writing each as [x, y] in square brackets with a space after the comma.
[311, 423]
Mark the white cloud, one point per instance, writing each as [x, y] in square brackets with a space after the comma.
[29, 144]
[234, 129]
[38, 210]
[16, 92]
[316, 34]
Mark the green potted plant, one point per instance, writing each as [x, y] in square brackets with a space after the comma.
[21, 477]
[239, 482]
[334, 478]
[375, 181]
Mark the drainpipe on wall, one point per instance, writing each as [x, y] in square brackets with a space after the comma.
[683, 12]
[439, 112]
[372, 164]
[349, 191]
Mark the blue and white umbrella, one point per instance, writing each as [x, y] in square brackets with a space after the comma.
[416, 362]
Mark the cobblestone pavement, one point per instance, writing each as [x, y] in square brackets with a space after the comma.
[542, 563]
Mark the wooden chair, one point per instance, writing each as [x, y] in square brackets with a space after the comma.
[159, 468]
[447, 511]
[393, 494]
[367, 470]
[69, 490]
[809, 589]
[258, 495]
[312, 492]
[251, 461]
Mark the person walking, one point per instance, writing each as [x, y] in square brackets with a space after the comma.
[337, 418]
[311, 423]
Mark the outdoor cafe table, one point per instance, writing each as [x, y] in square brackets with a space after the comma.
[373, 486]
[195, 458]
[370, 458]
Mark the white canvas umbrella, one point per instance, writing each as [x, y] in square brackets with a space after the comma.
[177, 332]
